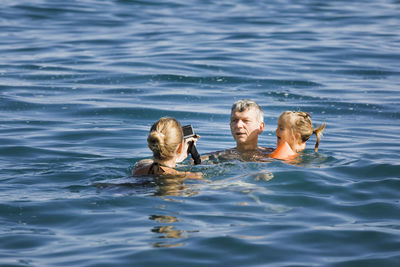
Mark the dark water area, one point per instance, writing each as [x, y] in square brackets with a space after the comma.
[81, 82]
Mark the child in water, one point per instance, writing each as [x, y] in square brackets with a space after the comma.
[294, 129]
[166, 141]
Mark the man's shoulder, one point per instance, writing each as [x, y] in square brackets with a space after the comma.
[220, 155]
[266, 149]
[220, 152]
[233, 154]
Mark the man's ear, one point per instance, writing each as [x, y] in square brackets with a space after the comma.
[262, 125]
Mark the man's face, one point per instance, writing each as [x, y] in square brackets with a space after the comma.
[245, 127]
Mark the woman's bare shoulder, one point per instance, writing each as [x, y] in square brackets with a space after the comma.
[141, 170]
[142, 167]
[172, 173]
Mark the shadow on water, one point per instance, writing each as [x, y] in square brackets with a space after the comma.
[166, 227]
[168, 232]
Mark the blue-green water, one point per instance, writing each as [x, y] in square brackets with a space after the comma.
[82, 81]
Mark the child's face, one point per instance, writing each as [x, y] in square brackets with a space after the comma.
[284, 132]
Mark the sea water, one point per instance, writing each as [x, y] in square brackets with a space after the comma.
[81, 82]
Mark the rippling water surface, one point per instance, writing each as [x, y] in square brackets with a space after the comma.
[81, 82]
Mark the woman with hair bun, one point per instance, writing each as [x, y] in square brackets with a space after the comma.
[294, 130]
[166, 142]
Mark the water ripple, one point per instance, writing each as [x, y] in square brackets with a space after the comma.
[81, 84]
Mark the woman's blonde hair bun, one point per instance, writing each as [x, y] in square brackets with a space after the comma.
[164, 138]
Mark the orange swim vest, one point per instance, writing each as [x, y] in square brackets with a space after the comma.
[283, 151]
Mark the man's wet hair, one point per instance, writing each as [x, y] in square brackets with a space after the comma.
[246, 104]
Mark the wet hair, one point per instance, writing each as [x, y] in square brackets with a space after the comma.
[301, 123]
[246, 104]
[164, 138]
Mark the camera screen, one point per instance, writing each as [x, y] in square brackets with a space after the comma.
[188, 131]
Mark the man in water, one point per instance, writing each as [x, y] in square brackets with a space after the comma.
[247, 123]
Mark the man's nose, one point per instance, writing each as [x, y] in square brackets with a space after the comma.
[239, 124]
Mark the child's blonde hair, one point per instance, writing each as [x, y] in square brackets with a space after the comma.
[301, 123]
[164, 138]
